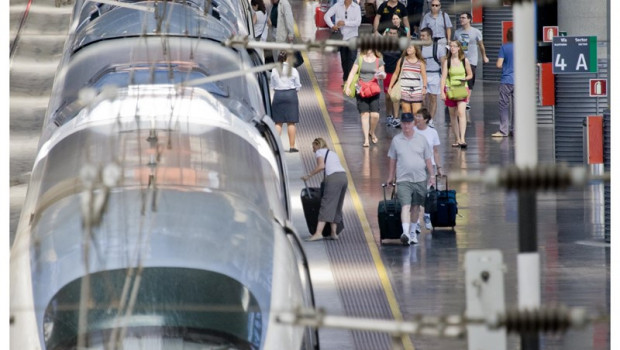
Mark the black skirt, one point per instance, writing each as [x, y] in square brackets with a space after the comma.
[285, 106]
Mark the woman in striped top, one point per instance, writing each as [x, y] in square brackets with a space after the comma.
[411, 71]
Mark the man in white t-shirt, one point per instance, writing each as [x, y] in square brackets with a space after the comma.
[422, 119]
[409, 167]
[471, 41]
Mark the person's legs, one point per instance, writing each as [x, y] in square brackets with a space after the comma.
[365, 126]
[504, 105]
[374, 117]
[415, 107]
[404, 193]
[374, 120]
[405, 106]
[389, 107]
[431, 100]
[279, 128]
[396, 108]
[347, 59]
[334, 230]
[512, 107]
[462, 114]
[292, 131]
[454, 124]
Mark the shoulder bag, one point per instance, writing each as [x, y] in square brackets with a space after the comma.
[356, 77]
[395, 93]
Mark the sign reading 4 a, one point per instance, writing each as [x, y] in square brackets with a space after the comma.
[574, 54]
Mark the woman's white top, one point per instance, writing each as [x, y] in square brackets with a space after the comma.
[332, 165]
[260, 27]
[281, 80]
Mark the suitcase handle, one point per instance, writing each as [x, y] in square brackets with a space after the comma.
[393, 191]
[437, 182]
[307, 189]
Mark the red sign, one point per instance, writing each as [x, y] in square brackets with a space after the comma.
[598, 87]
[549, 32]
[505, 26]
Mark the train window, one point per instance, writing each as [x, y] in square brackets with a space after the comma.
[135, 76]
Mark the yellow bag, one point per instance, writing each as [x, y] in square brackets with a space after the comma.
[458, 92]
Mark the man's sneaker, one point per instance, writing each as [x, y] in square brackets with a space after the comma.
[404, 239]
[415, 229]
[414, 239]
[427, 222]
[388, 120]
[395, 123]
[468, 107]
[431, 123]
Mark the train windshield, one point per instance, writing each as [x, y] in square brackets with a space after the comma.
[122, 77]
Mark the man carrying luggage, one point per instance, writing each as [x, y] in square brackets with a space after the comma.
[410, 157]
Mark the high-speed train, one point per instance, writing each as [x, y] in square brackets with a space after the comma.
[157, 215]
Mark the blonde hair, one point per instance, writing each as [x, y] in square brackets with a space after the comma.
[319, 142]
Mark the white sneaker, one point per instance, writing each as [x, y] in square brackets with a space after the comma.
[415, 229]
[414, 239]
[388, 120]
[405, 239]
[431, 123]
[427, 222]
[395, 123]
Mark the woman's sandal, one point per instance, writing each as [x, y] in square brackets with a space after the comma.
[456, 145]
[463, 145]
[365, 144]
[374, 139]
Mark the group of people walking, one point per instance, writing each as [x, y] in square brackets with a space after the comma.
[412, 81]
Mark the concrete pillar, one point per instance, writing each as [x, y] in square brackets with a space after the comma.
[585, 18]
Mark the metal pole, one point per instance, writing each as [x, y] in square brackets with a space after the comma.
[526, 155]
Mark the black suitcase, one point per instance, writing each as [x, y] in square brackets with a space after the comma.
[444, 214]
[311, 203]
[390, 225]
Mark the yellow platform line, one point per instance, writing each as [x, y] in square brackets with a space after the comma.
[357, 203]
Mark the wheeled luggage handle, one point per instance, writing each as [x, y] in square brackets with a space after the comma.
[307, 189]
[437, 182]
[393, 191]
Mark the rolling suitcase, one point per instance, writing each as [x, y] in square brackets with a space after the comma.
[311, 203]
[444, 214]
[390, 225]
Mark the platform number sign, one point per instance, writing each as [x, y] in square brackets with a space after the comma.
[574, 54]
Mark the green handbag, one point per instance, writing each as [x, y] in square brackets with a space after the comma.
[457, 92]
[352, 88]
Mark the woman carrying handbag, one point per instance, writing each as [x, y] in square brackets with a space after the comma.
[370, 66]
[455, 73]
